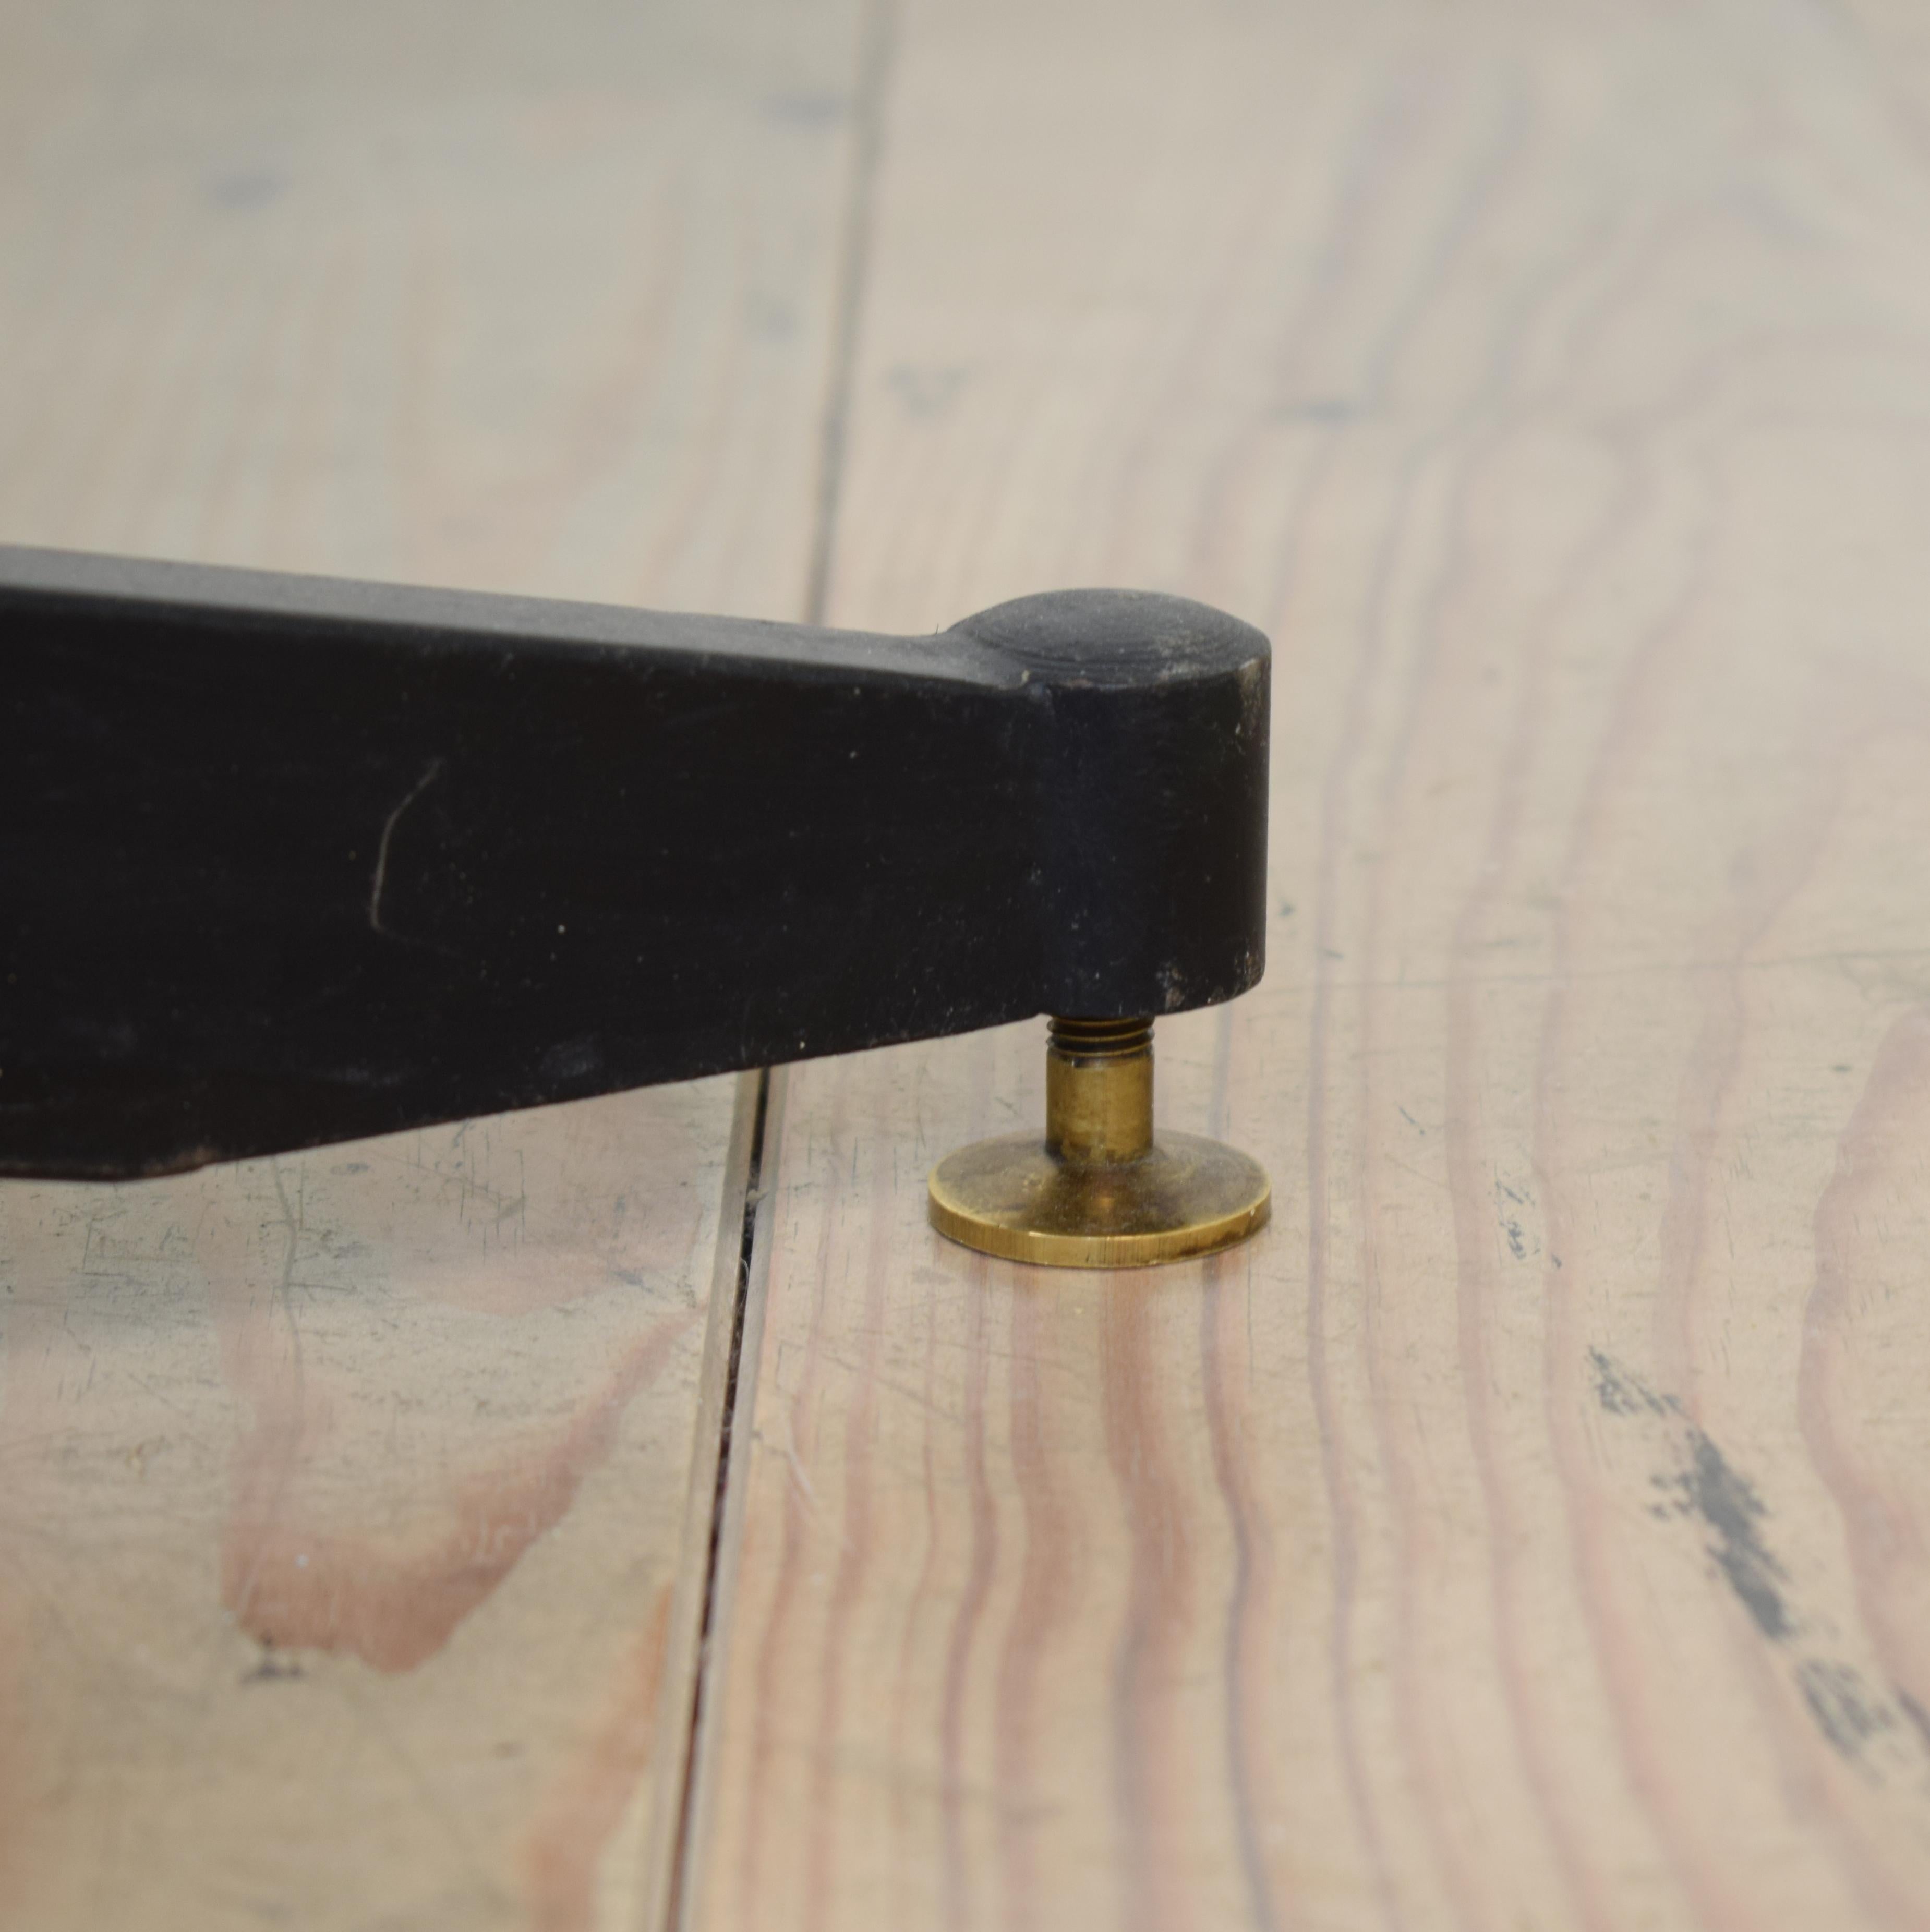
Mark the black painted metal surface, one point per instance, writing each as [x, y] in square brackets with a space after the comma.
[286, 860]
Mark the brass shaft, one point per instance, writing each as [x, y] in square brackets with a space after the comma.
[1099, 1091]
[1098, 1190]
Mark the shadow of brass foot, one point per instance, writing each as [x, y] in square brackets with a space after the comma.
[1100, 1189]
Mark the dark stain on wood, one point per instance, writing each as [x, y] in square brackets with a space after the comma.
[1852, 1714]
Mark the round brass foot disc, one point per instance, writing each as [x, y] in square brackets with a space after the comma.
[1012, 1197]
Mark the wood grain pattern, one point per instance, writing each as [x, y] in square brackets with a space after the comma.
[344, 1504]
[347, 1573]
[1531, 1528]
[467, 295]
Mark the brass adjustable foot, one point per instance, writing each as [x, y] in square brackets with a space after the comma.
[1099, 1190]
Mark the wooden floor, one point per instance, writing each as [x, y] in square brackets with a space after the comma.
[1531, 1528]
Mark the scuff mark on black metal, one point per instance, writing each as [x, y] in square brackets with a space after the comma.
[381, 878]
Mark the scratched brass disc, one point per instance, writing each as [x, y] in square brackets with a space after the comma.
[1014, 1197]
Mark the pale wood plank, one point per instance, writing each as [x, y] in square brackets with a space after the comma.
[1530, 1528]
[355, 1507]
[344, 1504]
[535, 300]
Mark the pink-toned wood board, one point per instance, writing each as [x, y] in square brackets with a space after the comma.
[343, 1512]
[1528, 1529]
